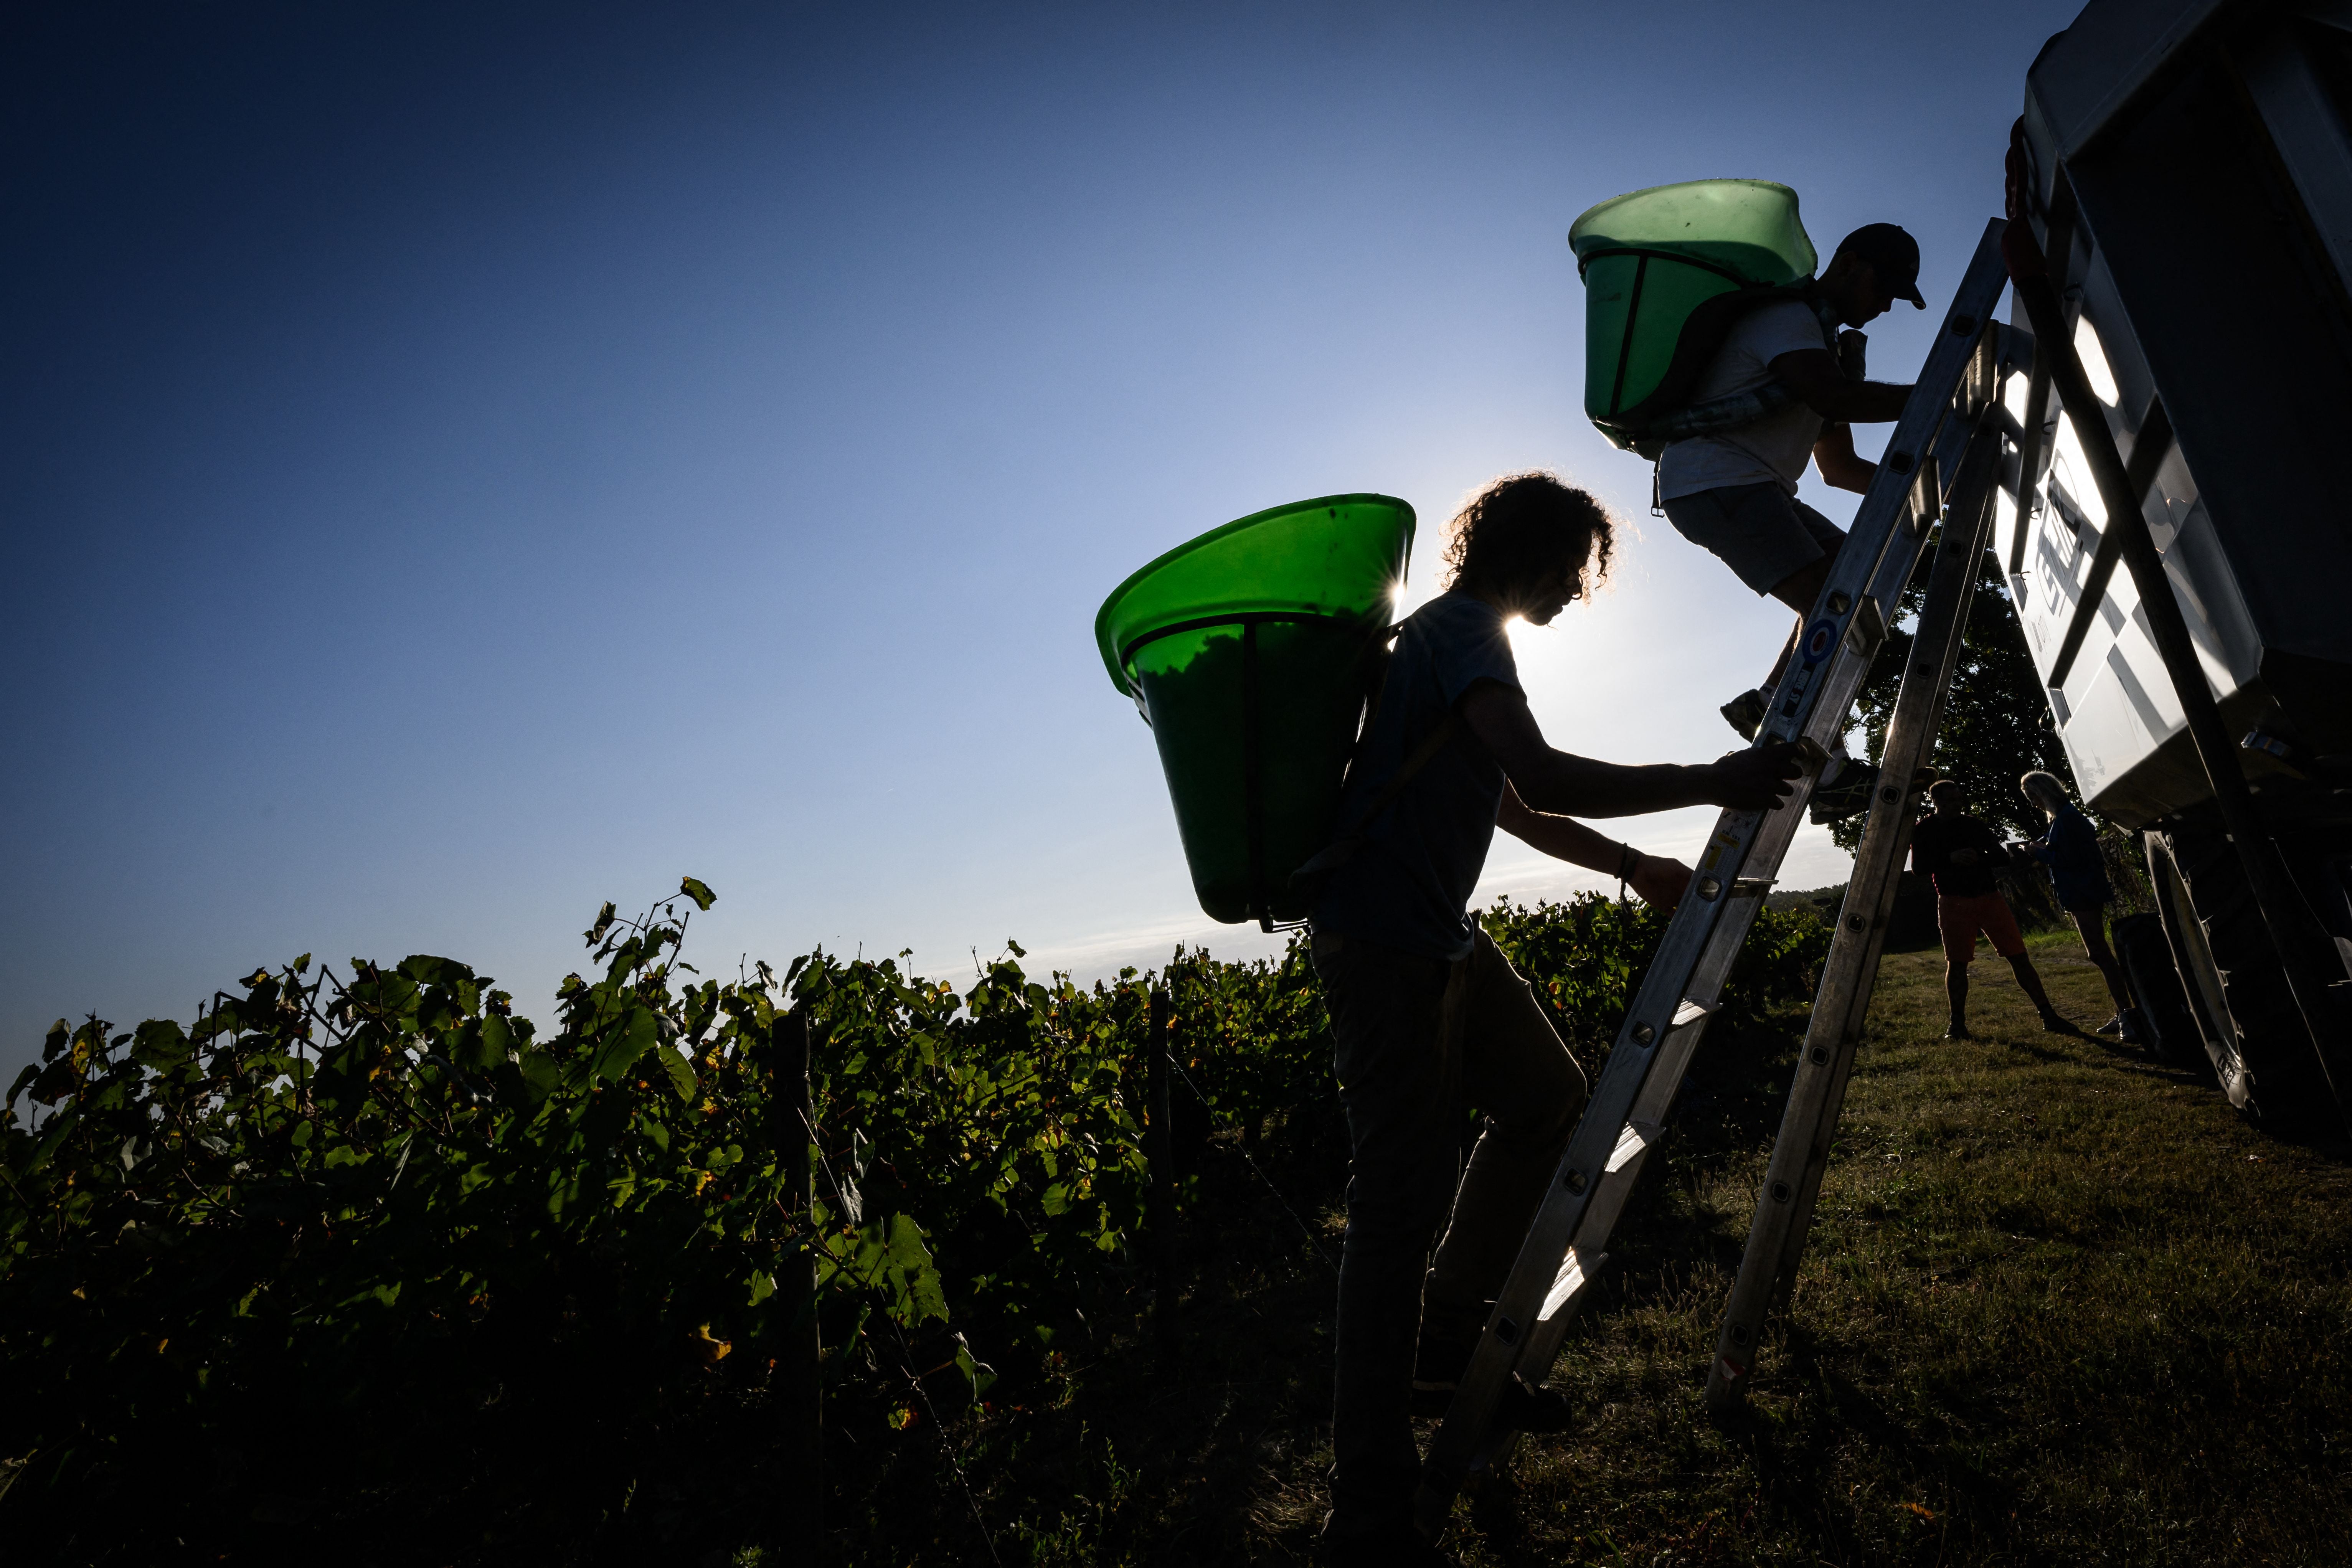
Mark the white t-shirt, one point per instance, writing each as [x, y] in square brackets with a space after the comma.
[1772, 450]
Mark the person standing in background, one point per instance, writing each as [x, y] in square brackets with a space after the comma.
[1960, 854]
[2079, 872]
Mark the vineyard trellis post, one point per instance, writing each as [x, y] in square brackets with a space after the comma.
[1159, 1152]
[799, 1369]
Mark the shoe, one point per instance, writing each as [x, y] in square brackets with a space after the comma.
[1849, 795]
[2114, 1025]
[2052, 1024]
[1745, 713]
[2135, 1026]
[1956, 1030]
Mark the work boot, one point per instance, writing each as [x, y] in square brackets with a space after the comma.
[1846, 794]
[1745, 713]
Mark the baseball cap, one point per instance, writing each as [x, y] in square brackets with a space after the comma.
[1892, 254]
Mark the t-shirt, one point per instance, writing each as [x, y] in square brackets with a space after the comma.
[1940, 833]
[1408, 886]
[2077, 869]
[1771, 450]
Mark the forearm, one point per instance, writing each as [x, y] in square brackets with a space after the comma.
[1560, 785]
[1859, 401]
[1565, 838]
[1833, 455]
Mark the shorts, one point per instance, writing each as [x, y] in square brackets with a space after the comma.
[1959, 920]
[1761, 532]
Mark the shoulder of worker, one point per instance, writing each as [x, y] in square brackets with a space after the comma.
[1462, 637]
[1784, 326]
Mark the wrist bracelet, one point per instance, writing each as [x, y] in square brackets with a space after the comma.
[1629, 862]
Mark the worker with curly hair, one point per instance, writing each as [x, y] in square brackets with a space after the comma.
[1428, 1016]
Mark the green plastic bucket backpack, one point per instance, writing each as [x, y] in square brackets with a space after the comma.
[1667, 273]
[1250, 651]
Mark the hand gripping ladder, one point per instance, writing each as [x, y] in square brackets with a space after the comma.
[1953, 407]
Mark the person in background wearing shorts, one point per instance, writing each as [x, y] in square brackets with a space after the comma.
[1427, 1014]
[2079, 872]
[1961, 854]
[1734, 493]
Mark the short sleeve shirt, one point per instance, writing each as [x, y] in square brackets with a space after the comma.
[1771, 450]
[1932, 842]
[1409, 885]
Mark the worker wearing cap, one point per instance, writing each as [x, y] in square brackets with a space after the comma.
[1734, 491]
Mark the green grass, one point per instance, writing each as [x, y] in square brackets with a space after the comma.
[2060, 1306]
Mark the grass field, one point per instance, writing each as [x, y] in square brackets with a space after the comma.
[2060, 1306]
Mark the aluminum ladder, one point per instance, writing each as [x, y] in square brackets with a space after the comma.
[1953, 425]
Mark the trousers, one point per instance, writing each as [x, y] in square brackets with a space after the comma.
[1419, 1042]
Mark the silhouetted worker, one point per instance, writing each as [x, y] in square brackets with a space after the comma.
[2079, 873]
[1962, 854]
[1428, 1014]
[1734, 491]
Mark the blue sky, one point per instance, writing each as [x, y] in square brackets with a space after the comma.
[462, 464]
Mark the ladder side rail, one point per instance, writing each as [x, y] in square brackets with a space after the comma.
[1543, 1341]
[1559, 1218]
[1617, 1185]
[1816, 1091]
[1817, 1160]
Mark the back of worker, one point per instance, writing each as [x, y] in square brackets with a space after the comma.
[1409, 884]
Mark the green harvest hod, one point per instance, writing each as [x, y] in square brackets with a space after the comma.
[1245, 650]
[1649, 261]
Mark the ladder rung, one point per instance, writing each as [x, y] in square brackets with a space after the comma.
[1569, 1280]
[1636, 1137]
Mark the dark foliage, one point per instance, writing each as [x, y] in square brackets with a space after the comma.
[366, 1267]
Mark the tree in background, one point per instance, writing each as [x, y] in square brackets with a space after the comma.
[1996, 722]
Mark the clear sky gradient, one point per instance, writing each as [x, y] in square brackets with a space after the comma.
[462, 464]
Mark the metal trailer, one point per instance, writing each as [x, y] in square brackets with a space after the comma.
[2190, 177]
